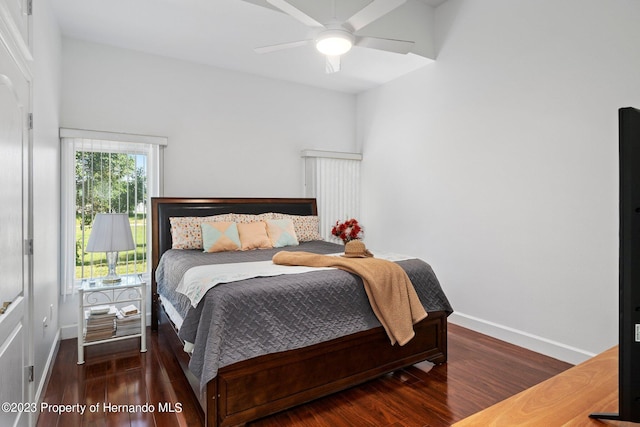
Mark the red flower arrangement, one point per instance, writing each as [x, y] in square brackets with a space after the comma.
[347, 230]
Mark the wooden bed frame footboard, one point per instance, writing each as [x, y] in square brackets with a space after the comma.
[267, 384]
[264, 385]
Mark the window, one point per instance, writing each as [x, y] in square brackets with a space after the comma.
[333, 178]
[105, 172]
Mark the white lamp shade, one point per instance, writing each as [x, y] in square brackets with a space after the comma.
[110, 233]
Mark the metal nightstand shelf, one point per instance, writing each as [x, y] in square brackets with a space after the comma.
[94, 293]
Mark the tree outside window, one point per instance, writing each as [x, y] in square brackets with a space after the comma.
[112, 182]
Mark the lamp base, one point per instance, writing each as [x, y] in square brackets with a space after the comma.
[111, 277]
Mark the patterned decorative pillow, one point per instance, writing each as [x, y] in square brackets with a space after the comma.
[186, 232]
[307, 226]
[281, 232]
[246, 218]
[220, 236]
[253, 235]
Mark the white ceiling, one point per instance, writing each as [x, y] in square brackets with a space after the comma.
[223, 33]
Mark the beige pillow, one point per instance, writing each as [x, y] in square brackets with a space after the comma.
[253, 235]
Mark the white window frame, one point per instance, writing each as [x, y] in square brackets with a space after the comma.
[73, 140]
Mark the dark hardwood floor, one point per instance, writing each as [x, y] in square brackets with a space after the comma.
[481, 371]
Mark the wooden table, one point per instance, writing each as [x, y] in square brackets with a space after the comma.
[564, 400]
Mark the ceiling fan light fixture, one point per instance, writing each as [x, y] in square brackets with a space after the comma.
[334, 42]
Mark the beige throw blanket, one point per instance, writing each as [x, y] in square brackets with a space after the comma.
[391, 294]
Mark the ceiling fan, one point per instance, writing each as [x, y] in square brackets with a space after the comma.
[336, 38]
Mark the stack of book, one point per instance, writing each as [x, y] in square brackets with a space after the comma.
[101, 322]
[128, 321]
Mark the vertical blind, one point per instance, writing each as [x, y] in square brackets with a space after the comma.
[333, 178]
[105, 172]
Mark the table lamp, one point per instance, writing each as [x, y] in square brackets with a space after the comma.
[111, 233]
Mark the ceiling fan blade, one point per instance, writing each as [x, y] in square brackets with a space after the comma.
[296, 13]
[371, 12]
[281, 46]
[390, 45]
[333, 64]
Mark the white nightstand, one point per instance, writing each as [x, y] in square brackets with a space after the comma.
[94, 293]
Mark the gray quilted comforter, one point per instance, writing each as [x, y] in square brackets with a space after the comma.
[248, 318]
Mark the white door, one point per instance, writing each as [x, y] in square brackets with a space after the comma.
[15, 389]
[18, 11]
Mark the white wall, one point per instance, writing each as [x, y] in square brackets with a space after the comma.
[504, 166]
[46, 188]
[503, 153]
[230, 134]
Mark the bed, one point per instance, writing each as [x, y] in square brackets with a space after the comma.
[287, 370]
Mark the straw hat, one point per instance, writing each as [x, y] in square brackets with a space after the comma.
[356, 249]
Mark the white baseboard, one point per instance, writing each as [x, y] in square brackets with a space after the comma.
[46, 372]
[68, 331]
[529, 341]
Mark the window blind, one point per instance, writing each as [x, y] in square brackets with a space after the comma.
[333, 178]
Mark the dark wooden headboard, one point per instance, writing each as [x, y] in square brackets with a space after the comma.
[163, 208]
